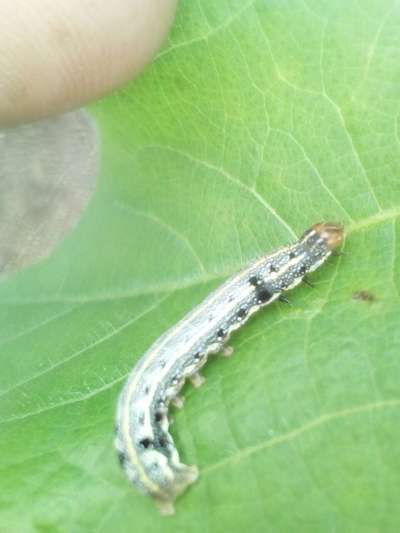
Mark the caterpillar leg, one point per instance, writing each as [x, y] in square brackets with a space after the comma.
[227, 351]
[308, 282]
[178, 401]
[197, 380]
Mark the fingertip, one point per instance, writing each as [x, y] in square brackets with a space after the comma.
[58, 56]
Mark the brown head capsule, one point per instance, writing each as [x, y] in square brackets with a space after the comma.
[331, 233]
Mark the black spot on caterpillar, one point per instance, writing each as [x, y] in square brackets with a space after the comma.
[263, 295]
[146, 450]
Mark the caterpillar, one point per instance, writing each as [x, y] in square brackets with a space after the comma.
[145, 448]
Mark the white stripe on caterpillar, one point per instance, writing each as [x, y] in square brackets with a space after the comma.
[145, 447]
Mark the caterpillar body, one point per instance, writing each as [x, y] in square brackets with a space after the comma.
[145, 447]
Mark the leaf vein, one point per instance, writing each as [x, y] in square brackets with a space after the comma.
[301, 430]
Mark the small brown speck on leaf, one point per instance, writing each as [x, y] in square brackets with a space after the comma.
[364, 295]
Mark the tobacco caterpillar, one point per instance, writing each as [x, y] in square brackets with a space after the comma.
[145, 447]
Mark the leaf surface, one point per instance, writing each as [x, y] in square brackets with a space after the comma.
[256, 120]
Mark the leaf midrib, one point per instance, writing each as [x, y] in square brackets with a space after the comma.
[375, 219]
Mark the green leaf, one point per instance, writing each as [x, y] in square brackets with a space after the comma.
[256, 120]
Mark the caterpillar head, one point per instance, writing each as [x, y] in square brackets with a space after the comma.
[330, 232]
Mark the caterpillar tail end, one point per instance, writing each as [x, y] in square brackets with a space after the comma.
[185, 476]
[166, 507]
